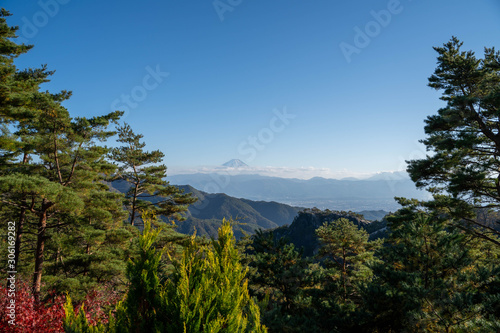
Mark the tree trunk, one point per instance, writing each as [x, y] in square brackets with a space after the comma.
[344, 274]
[134, 201]
[40, 245]
[20, 224]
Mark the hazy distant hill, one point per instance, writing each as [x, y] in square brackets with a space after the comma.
[373, 215]
[206, 214]
[374, 193]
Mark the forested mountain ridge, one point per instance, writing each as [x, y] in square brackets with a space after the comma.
[302, 231]
[205, 216]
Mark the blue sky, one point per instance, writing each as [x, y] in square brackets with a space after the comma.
[289, 84]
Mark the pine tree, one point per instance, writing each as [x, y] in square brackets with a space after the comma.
[18, 89]
[65, 176]
[434, 277]
[51, 166]
[348, 248]
[149, 190]
[463, 137]
[346, 257]
[280, 278]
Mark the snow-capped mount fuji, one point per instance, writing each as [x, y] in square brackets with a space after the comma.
[235, 163]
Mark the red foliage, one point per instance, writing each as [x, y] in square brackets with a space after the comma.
[48, 317]
[95, 304]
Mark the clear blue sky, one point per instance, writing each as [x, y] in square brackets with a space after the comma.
[232, 62]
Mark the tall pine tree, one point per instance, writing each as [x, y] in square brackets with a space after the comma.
[464, 136]
[51, 164]
[65, 176]
[148, 188]
[18, 91]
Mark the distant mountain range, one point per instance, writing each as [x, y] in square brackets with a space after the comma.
[374, 193]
